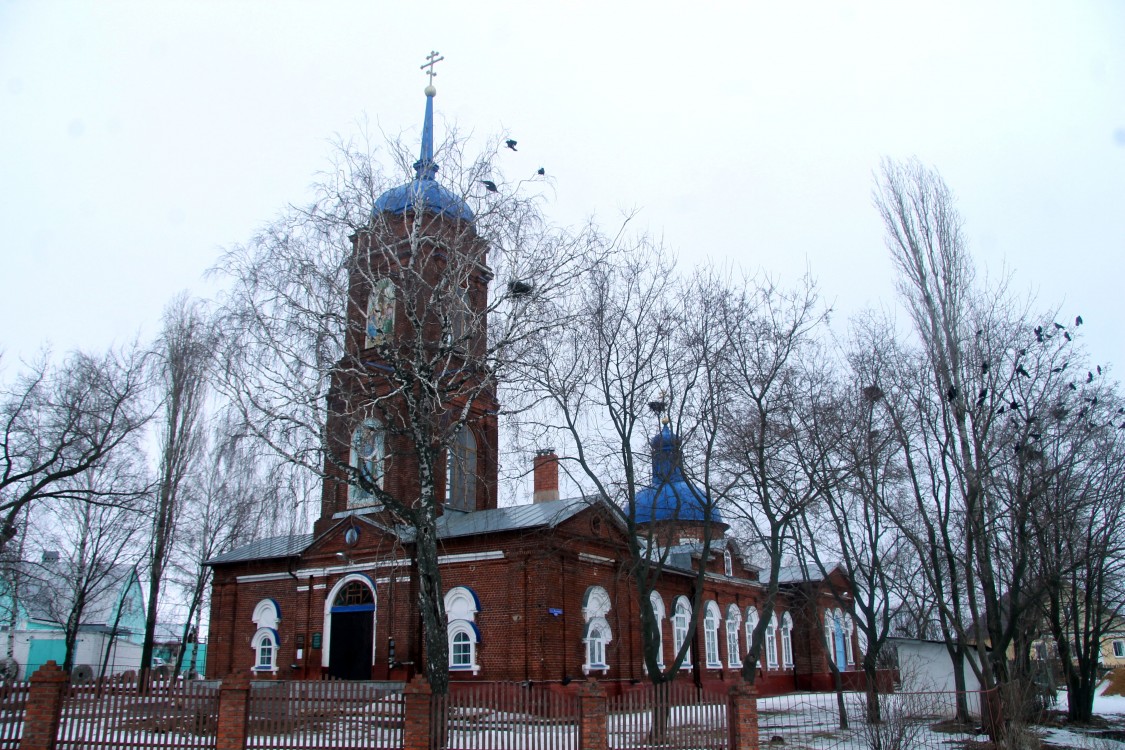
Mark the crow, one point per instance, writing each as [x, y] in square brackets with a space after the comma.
[541, 171]
[1073, 387]
[1099, 369]
[1078, 320]
[1023, 372]
[982, 396]
[490, 186]
[984, 366]
[1039, 334]
[951, 394]
[1059, 326]
[1067, 336]
[511, 144]
[1089, 377]
[1015, 404]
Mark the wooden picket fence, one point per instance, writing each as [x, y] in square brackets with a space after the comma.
[504, 716]
[669, 716]
[324, 714]
[13, 704]
[115, 714]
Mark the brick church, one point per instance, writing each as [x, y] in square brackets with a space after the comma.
[536, 592]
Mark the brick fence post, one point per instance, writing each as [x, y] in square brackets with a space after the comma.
[742, 716]
[234, 705]
[593, 734]
[44, 708]
[417, 697]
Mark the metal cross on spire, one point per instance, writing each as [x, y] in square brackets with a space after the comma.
[432, 59]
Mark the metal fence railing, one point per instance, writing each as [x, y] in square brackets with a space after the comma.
[670, 715]
[896, 721]
[504, 716]
[115, 714]
[324, 714]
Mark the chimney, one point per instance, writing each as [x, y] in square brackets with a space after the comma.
[546, 476]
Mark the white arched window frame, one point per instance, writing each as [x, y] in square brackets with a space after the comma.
[751, 625]
[329, 603]
[461, 608]
[728, 563]
[786, 640]
[596, 635]
[849, 628]
[264, 643]
[658, 614]
[771, 643]
[733, 625]
[461, 471]
[368, 454]
[711, 618]
[680, 621]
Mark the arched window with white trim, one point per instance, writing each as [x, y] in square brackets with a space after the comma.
[680, 621]
[461, 607]
[733, 625]
[786, 641]
[771, 643]
[267, 615]
[368, 454]
[658, 615]
[849, 628]
[728, 563]
[597, 634]
[711, 617]
[751, 625]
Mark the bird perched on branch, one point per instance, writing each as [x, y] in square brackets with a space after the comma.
[1021, 371]
[541, 171]
[511, 144]
[1078, 320]
[490, 186]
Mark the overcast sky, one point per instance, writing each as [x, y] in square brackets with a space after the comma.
[139, 139]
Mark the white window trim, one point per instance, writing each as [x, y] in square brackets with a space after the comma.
[658, 614]
[728, 564]
[711, 618]
[787, 641]
[461, 607]
[257, 642]
[849, 654]
[771, 643]
[679, 633]
[595, 607]
[1119, 649]
[751, 624]
[470, 630]
[733, 626]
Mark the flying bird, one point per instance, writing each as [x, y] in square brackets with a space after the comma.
[511, 144]
[541, 171]
[490, 186]
[1078, 320]
[1021, 371]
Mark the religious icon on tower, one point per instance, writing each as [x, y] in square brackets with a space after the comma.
[380, 314]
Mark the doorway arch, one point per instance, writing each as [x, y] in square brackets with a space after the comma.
[349, 628]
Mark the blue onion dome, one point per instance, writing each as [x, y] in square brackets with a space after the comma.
[670, 497]
[423, 192]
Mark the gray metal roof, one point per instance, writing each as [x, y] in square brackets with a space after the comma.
[793, 574]
[265, 549]
[513, 518]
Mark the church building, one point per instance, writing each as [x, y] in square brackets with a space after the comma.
[538, 592]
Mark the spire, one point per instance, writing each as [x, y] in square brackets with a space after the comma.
[425, 168]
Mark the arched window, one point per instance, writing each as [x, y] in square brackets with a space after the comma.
[733, 624]
[711, 619]
[849, 628]
[838, 646]
[461, 471]
[658, 615]
[461, 607]
[264, 644]
[786, 640]
[728, 563]
[680, 622]
[751, 624]
[771, 643]
[368, 455]
[266, 616]
[597, 634]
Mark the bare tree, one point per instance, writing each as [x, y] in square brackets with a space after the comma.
[182, 358]
[59, 421]
[368, 316]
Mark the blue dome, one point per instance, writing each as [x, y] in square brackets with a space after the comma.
[671, 497]
[423, 194]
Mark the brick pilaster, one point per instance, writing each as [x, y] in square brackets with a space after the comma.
[44, 708]
[742, 716]
[234, 704]
[592, 731]
[416, 722]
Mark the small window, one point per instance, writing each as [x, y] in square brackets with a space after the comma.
[733, 624]
[264, 644]
[728, 563]
[680, 630]
[771, 644]
[461, 607]
[1119, 649]
[595, 648]
[711, 635]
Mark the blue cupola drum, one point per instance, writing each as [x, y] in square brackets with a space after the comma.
[670, 496]
[424, 193]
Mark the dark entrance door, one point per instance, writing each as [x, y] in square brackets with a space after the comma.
[353, 630]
